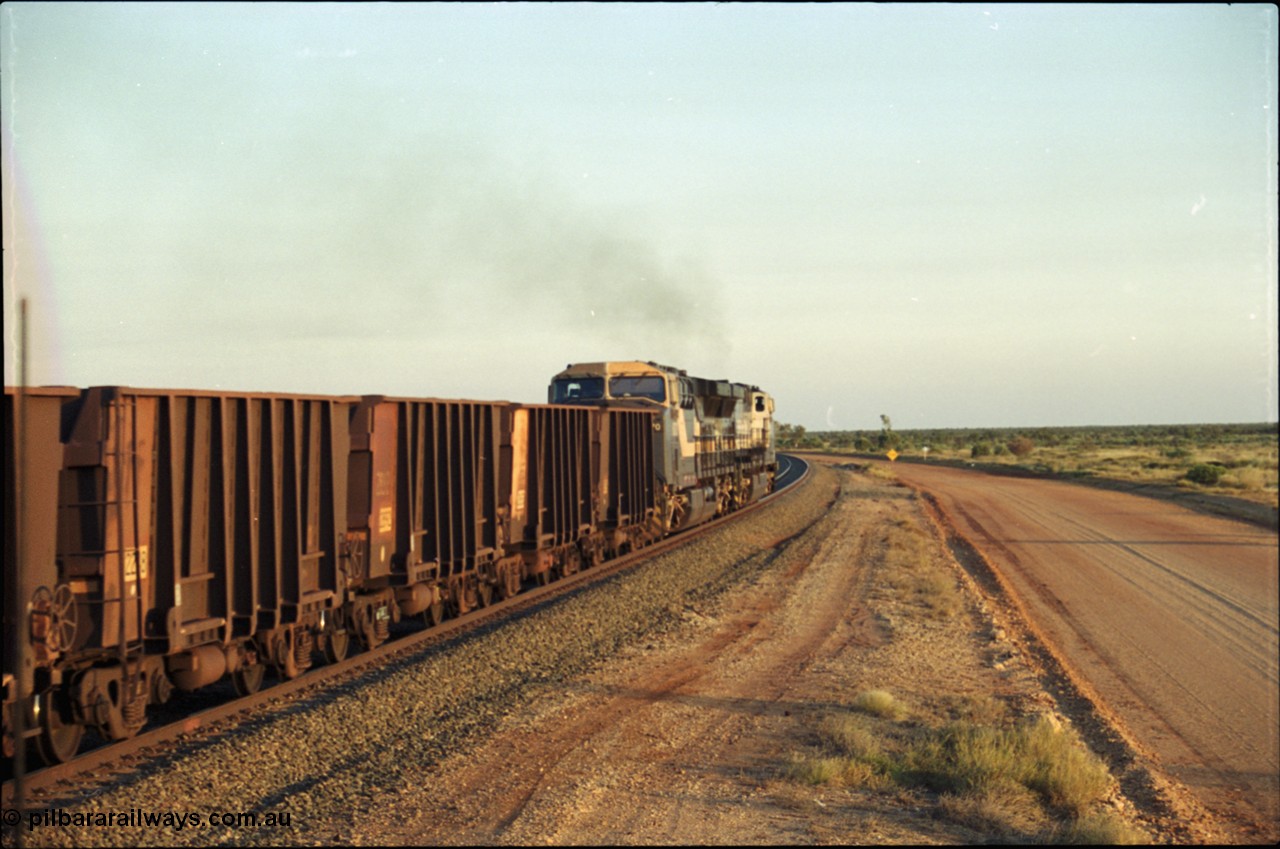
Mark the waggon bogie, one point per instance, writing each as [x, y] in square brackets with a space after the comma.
[371, 616]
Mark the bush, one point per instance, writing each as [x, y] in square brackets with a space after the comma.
[1246, 479]
[1205, 474]
[1068, 775]
[1021, 446]
[980, 449]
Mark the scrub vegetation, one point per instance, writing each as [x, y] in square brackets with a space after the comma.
[1227, 459]
[1029, 779]
[914, 576]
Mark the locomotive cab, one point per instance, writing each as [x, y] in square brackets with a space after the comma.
[610, 383]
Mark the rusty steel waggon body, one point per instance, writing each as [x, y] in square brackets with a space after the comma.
[172, 538]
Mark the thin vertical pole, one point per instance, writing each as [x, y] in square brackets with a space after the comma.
[18, 600]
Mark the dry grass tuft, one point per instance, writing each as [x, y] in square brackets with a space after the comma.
[837, 772]
[848, 735]
[1101, 829]
[1012, 781]
[880, 703]
[815, 770]
[881, 472]
[982, 709]
[1036, 754]
[1007, 812]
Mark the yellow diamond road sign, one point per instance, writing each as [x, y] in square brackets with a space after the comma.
[892, 455]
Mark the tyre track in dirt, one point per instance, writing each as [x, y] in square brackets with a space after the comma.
[1169, 619]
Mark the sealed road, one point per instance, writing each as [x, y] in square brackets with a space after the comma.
[1172, 617]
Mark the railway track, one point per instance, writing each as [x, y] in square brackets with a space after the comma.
[109, 759]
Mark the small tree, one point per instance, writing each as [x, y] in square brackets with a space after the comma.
[887, 438]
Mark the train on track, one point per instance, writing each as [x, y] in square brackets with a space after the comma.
[167, 539]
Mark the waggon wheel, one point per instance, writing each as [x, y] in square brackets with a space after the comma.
[433, 615]
[336, 646]
[510, 584]
[248, 678]
[462, 598]
[337, 639]
[59, 738]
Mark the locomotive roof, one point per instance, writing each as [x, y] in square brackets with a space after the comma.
[702, 385]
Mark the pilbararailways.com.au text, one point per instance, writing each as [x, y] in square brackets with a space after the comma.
[138, 818]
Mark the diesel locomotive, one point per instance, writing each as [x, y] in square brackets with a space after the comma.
[162, 540]
[713, 440]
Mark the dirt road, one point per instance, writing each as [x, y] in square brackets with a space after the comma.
[1170, 617]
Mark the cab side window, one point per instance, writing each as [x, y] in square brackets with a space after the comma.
[686, 394]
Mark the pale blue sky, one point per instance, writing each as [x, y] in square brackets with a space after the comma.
[955, 215]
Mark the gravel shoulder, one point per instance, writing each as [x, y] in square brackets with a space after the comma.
[666, 706]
